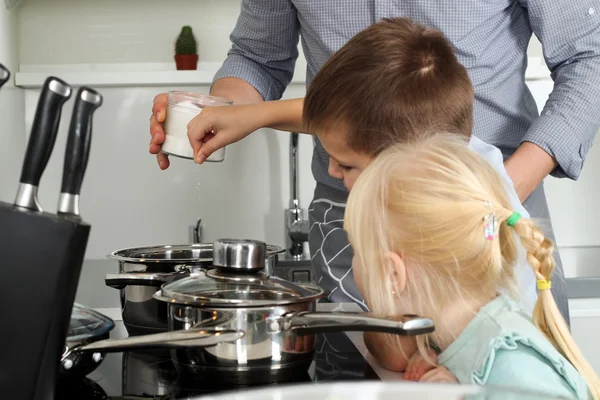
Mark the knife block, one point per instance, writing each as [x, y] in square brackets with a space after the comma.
[42, 256]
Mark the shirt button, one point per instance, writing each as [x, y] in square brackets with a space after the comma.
[591, 11]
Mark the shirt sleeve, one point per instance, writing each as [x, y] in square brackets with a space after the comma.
[526, 369]
[569, 31]
[264, 46]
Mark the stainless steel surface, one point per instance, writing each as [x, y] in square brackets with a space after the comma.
[189, 254]
[59, 88]
[142, 314]
[277, 338]
[91, 97]
[196, 253]
[296, 225]
[73, 363]
[119, 281]
[27, 197]
[68, 204]
[278, 317]
[239, 254]
[192, 337]
[311, 322]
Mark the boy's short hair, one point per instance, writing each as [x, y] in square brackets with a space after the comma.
[394, 82]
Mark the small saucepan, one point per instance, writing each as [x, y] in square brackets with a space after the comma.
[278, 317]
[142, 270]
[87, 342]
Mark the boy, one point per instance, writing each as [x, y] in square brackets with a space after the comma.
[394, 82]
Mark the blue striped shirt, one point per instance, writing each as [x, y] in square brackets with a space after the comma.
[490, 39]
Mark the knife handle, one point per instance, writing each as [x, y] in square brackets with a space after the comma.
[78, 149]
[4, 75]
[55, 93]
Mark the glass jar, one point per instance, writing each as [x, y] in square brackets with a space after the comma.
[181, 109]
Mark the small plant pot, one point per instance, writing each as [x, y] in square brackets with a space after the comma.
[186, 62]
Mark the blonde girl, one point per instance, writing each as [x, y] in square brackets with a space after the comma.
[434, 234]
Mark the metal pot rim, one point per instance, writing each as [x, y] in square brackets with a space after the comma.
[208, 302]
[123, 254]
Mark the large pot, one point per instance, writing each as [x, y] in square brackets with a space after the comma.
[142, 270]
[278, 317]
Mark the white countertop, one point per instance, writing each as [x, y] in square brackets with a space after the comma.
[357, 340]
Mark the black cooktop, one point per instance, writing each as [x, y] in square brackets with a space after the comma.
[152, 374]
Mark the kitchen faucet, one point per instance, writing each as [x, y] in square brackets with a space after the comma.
[296, 224]
[196, 232]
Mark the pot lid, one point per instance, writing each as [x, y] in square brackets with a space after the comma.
[223, 289]
[237, 280]
[86, 323]
[197, 253]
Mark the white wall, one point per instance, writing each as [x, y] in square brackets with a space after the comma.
[12, 104]
[127, 198]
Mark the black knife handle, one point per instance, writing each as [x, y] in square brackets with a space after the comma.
[4, 75]
[79, 140]
[55, 93]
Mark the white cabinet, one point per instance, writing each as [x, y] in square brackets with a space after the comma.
[585, 327]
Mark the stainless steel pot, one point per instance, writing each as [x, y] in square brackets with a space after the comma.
[88, 342]
[142, 270]
[278, 316]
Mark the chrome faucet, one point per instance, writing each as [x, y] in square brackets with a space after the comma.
[196, 232]
[296, 223]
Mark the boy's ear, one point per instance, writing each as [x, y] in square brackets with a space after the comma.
[397, 272]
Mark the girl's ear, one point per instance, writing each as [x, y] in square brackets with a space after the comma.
[397, 272]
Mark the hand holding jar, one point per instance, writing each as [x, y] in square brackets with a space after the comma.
[182, 108]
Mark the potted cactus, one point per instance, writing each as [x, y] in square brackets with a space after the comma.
[186, 50]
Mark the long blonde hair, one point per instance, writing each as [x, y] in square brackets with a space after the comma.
[427, 201]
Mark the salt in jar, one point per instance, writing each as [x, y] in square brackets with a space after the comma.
[181, 109]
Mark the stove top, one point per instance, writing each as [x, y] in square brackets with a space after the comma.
[152, 374]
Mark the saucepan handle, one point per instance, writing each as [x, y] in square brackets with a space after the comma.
[183, 338]
[304, 323]
[119, 281]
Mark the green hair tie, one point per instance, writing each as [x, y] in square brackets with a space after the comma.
[513, 219]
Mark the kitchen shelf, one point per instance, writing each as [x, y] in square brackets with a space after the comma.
[125, 75]
[164, 74]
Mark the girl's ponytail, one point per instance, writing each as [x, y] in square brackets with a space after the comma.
[546, 315]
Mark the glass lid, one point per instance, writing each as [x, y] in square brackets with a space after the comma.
[86, 323]
[232, 289]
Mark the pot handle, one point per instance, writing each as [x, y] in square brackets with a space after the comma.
[119, 281]
[304, 323]
[184, 338]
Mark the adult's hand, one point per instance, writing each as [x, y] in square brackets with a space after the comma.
[157, 133]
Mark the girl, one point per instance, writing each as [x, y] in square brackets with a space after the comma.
[434, 234]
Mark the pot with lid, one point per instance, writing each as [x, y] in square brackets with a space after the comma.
[142, 270]
[278, 317]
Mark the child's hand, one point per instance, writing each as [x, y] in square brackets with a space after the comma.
[216, 127]
[438, 375]
[418, 366]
